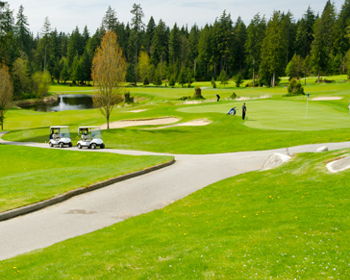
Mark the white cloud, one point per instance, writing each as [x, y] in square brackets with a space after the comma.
[65, 15]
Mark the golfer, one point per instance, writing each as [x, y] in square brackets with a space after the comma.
[218, 98]
[244, 111]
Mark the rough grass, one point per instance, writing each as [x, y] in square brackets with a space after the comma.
[30, 175]
[288, 223]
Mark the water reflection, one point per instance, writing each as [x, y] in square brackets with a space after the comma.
[65, 102]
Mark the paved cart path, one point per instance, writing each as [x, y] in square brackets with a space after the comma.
[117, 202]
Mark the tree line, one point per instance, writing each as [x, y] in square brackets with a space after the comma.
[262, 51]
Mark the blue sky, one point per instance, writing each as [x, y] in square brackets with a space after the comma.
[65, 15]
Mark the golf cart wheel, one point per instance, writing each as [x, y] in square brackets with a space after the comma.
[51, 145]
[61, 145]
[93, 146]
[79, 146]
[102, 146]
[70, 145]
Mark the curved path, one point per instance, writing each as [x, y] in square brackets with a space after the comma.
[117, 202]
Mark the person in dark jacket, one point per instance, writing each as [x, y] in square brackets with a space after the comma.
[218, 98]
[244, 111]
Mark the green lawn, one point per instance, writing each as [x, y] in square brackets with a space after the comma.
[264, 129]
[287, 223]
[284, 114]
[30, 175]
[341, 86]
[272, 123]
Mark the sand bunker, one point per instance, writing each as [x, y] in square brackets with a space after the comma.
[190, 102]
[199, 122]
[326, 98]
[339, 165]
[138, 111]
[128, 123]
[243, 98]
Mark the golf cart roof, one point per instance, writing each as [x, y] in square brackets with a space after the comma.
[59, 126]
[84, 127]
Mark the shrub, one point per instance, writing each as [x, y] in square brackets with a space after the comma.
[322, 80]
[233, 95]
[183, 98]
[198, 93]
[172, 81]
[127, 98]
[295, 88]
[238, 80]
[223, 78]
[157, 80]
[145, 81]
[213, 83]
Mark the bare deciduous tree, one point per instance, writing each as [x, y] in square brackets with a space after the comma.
[6, 92]
[108, 74]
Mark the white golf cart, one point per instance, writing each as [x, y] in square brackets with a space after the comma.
[90, 137]
[59, 136]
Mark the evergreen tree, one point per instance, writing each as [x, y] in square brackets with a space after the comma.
[223, 77]
[159, 46]
[23, 35]
[240, 31]
[76, 73]
[136, 21]
[75, 45]
[255, 36]
[304, 33]
[151, 26]
[174, 49]
[274, 50]
[46, 41]
[8, 50]
[64, 66]
[134, 42]
[343, 22]
[193, 39]
[85, 67]
[289, 31]
[223, 52]
[110, 20]
[323, 45]
[205, 66]
[182, 77]
[85, 36]
[296, 67]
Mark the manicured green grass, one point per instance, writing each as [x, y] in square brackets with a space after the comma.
[277, 114]
[67, 89]
[224, 134]
[288, 223]
[341, 86]
[272, 123]
[30, 175]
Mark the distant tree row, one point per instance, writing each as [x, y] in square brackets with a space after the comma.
[263, 51]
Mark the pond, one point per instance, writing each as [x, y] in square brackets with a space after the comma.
[64, 102]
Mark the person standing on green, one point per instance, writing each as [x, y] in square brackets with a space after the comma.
[244, 111]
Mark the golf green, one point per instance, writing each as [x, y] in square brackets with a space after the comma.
[283, 115]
